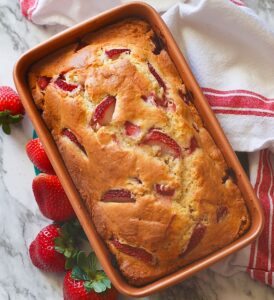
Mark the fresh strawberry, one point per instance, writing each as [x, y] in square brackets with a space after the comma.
[118, 195]
[85, 282]
[54, 248]
[42, 252]
[221, 212]
[63, 85]
[11, 108]
[116, 52]
[196, 236]
[139, 253]
[68, 133]
[43, 82]
[51, 198]
[157, 76]
[104, 111]
[38, 156]
[155, 137]
[132, 129]
[164, 190]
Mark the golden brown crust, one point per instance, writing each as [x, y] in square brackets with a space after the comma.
[204, 197]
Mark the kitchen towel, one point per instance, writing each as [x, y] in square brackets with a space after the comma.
[230, 51]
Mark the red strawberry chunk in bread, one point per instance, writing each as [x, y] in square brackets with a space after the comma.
[104, 111]
[63, 85]
[139, 253]
[43, 82]
[221, 212]
[155, 137]
[112, 53]
[193, 145]
[155, 100]
[196, 236]
[118, 195]
[68, 133]
[163, 102]
[132, 129]
[157, 76]
[164, 190]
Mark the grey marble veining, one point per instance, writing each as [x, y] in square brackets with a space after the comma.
[20, 219]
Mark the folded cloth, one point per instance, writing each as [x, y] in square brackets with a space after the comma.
[230, 51]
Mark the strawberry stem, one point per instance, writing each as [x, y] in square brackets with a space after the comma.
[6, 118]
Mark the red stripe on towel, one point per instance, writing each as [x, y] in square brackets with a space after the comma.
[261, 264]
[239, 102]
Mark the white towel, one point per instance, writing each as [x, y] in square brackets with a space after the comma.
[230, 51]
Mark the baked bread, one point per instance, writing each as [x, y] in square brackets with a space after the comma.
[157, 187]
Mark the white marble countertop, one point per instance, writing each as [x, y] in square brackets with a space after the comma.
[20, 219]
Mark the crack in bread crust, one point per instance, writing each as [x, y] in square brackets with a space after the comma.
[163, 224]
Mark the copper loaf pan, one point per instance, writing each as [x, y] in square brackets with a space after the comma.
[73, 34]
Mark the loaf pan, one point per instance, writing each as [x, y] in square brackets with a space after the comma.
[144, 11]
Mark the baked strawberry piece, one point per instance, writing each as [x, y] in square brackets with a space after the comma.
[61, 83]
[118, 195]
[71, 136]
[196, 237]
[156, 137]
[192, 146]
[164, 190]
[139, 253]
[104, 111]
[157, 76]
[132, 129]
[113, 53]
[221, 212]
[43, 82]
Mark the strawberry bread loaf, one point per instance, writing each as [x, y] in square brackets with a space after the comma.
[157, 187]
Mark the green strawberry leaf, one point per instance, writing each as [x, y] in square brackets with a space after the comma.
[107, 282]
[4, 113]
[82, 261]
[79, 274]
[70, 262]
[58, 242]
[98, 287]
[6, 128]
[66, 242]
[15, 119]
[92, 263]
